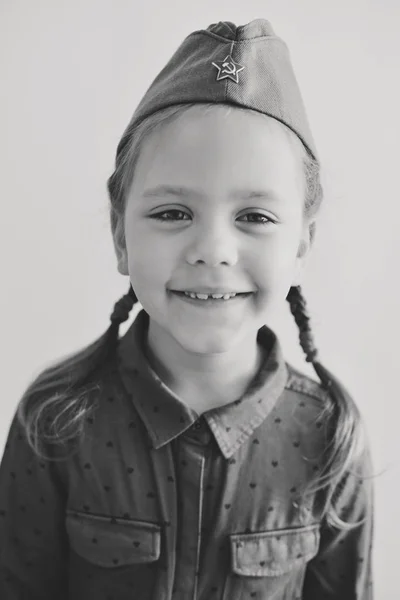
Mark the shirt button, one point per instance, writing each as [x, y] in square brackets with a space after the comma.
[197, 425]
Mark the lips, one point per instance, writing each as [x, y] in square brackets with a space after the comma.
[212, 303]
[179, 293]
[208, 292]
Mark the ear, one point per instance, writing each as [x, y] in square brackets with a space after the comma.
[120, 250]
[305, 245]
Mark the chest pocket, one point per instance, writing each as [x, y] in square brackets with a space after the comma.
[273, 553]
[109, 542]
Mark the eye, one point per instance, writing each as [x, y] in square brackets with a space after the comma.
[266, 219]
[159, 217]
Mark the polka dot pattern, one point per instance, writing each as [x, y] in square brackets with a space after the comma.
[165, 498]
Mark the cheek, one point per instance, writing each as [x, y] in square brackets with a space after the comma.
[276, 266]
[149, 268]
[278, 254]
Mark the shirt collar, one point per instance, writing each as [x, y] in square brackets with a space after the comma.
[166, 416]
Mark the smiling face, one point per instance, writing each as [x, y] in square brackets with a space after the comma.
[232, 218]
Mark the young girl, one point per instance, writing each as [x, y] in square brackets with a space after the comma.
[188, 459]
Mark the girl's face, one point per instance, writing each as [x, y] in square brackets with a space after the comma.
[229, 194]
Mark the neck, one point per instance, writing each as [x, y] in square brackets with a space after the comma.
[204, 382]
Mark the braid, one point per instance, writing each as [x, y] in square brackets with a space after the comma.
[344, 424]
[120, 314]
[298, 310]
[122, 308]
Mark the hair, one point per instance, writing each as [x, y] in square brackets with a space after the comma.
[57, 403]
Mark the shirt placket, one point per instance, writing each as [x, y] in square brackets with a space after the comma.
[191, 457]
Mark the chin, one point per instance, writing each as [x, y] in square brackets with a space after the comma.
[209, 341]
[208, 347]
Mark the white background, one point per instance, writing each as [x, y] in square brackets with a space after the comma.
[71, 75]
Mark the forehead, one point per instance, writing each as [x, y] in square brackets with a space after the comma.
[239, 149]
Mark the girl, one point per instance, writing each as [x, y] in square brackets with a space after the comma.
[188, 459]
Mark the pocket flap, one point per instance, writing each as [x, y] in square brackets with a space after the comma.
[112, 542]
[273, 553]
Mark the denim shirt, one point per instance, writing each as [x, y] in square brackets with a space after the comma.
[162, 503]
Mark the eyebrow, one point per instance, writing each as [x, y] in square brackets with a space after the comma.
[184, 192]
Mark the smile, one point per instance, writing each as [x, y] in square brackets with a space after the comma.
[208, 300]
[210, 296]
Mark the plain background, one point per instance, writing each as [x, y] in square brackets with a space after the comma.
[71, 75]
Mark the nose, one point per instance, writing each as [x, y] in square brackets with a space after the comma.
[213, 244]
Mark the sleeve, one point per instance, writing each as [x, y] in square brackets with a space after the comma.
[342, 569]
[33, 540]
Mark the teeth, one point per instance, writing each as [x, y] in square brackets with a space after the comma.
[207, 296]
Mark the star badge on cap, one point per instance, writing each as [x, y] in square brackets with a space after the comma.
[227, 68]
